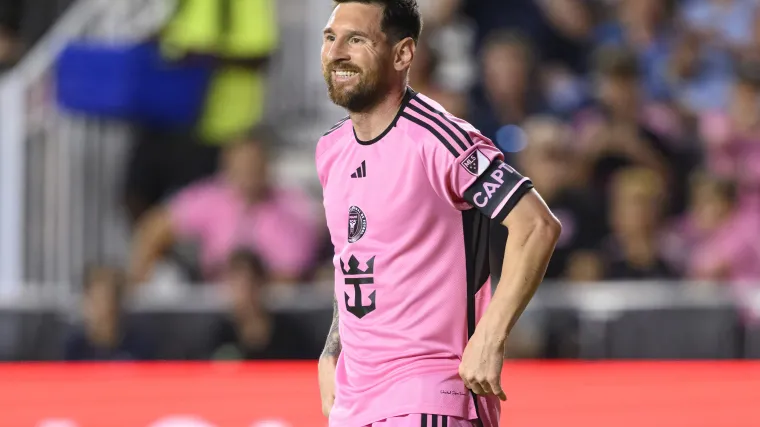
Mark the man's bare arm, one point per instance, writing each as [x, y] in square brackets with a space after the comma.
[327, 363]
[533, 233]
[153, 237]
[332, 345]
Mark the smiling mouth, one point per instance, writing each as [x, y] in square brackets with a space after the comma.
[344, 75]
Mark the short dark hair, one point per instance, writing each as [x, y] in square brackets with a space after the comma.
[616, 62]
[511, 38]
[748, 72]
[726, 187]
[245, 260]
[262, 136]
[401, 18]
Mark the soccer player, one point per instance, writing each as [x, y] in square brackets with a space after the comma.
[409, 194]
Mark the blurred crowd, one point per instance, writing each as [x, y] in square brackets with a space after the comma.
[637, 120]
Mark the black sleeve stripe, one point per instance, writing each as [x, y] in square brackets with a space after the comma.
[442, 114]
[440, 123]
[433, 131]
[336, 126]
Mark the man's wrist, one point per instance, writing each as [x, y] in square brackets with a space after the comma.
[497, 321]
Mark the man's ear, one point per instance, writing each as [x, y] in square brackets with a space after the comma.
[404, 54]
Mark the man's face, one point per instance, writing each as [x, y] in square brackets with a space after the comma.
[634, 211]
[548, 166]
[246, 168]
[101, 304]
[709, 207]
[618, 93]
[245, 289]
[547, 158]
[505, 71]
[357, 59]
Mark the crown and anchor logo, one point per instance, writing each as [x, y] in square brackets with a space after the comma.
[358, 309]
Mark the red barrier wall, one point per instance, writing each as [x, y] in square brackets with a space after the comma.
[603, 394]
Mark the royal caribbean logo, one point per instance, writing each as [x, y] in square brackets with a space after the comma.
[357, 224]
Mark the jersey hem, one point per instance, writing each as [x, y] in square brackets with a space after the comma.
[410, 410]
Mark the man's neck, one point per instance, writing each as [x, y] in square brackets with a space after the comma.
[368, 125]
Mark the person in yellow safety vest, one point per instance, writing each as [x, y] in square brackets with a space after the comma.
[241, 35]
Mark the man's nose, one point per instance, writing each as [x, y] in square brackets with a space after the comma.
[338, 52]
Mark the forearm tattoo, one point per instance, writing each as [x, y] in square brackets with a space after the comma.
[332, 345]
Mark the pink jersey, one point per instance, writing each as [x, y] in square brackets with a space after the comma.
[411, 259]
[280, 229]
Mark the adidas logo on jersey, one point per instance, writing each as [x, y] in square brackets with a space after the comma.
[361, 171]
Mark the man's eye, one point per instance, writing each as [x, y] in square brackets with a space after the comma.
[329, 37]
[355, 40]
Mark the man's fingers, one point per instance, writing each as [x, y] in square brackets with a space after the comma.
[327, 404]
[475, 387]
[326, 408]
[498, 391]
[486, 386]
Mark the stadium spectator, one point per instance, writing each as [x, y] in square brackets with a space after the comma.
[161, 162]
[240, 38]
[559, 29]
[250, 331]
[623, 129]
[424, 77]
[633, 249]
[642, 26]
[549, 160]
[719, 237]
[508, 92]
[752, 50]
[104, 334]
[698, 80]
[722, 24]
[732, 136]
[240, 208]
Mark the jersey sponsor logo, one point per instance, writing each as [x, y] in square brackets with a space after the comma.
[492, 183]
[476, 163]
[357, 224]
[354, 276]
[361, 171]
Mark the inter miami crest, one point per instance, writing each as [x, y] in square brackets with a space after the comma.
[476, 163]
[357, 224]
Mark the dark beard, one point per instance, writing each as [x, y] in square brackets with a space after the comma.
[358, 99]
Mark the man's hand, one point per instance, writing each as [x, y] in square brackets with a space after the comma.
[327, 382]
[481, 364]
